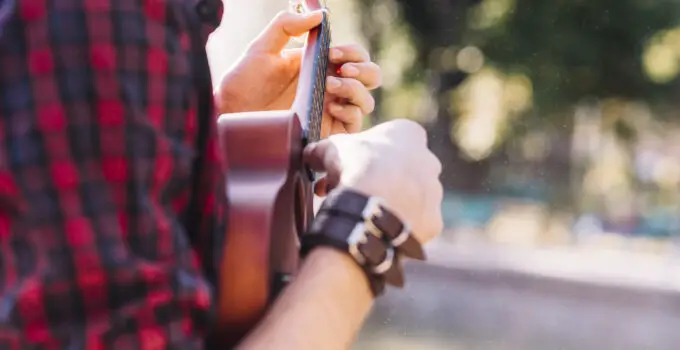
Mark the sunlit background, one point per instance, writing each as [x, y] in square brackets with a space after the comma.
[556, 123]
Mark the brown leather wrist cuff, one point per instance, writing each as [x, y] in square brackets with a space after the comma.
[359, 225]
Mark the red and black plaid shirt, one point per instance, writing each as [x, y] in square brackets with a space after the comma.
[109, 174]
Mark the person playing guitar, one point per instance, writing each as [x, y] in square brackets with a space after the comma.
[111, 178]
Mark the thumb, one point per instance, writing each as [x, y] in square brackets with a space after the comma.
[323, 156]
[283, 27]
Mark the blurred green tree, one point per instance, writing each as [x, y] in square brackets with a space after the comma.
[578, 49]
[569, 49]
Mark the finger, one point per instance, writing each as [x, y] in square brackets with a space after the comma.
[313, 155]
[349, 115]
[352, 90]
[435, 197]
[434, 165]
[429, 223]
[368, 73]
[283, 27]
[349, 53]
[323, 156]
[407, 130]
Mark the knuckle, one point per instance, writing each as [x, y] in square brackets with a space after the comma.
[361, 67]
[430, 227]
[438, 218]
[439, 193]
[354, 114]
[279, 22]
[434, 225]
[348, 114]
[320, 148]
[364, 52]
[351, 87]
[437, 227]
[374, 67]
[357, 122]
[436, 164]
[344, 90]
[336, 139]
[353, 47]
[353, 120]
[359, 50]
[378, 73]
[345, 48]
[281, 17]
[411, 127]
[369, 105]
[353, 83]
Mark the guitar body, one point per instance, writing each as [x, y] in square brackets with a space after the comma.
[269, 192]
[270, 203]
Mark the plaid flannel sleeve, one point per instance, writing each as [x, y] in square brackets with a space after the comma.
[98, 130]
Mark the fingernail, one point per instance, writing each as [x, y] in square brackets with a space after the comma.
[333, 82]
[350, 71]
[334, 108]
[336, 54]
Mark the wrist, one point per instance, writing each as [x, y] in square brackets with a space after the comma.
[329, 299]
[340, 272]
[367, 233]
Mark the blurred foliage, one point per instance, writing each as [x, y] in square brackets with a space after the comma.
[575, 49]
[569, 49]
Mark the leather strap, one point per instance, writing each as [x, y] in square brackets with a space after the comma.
[370, 209]
[361, 226]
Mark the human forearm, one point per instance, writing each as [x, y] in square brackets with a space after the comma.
[323, 309]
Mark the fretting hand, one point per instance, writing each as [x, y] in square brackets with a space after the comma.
[266, 76]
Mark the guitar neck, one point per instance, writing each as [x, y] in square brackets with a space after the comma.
[309, 101]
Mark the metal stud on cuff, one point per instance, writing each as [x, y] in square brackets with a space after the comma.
[386, 264]
[358, 236]
[371, 208]
[402, 237]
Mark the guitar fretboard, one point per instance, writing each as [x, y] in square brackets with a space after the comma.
[319, 84]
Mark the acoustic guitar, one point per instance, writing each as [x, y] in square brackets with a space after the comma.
[269, 193]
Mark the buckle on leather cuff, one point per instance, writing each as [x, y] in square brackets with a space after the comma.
[359, 236]
[374, 207]
[402, 237]
[386, 264]
[371, 209]
[387, 226]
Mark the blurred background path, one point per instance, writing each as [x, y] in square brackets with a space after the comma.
[487, 300]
